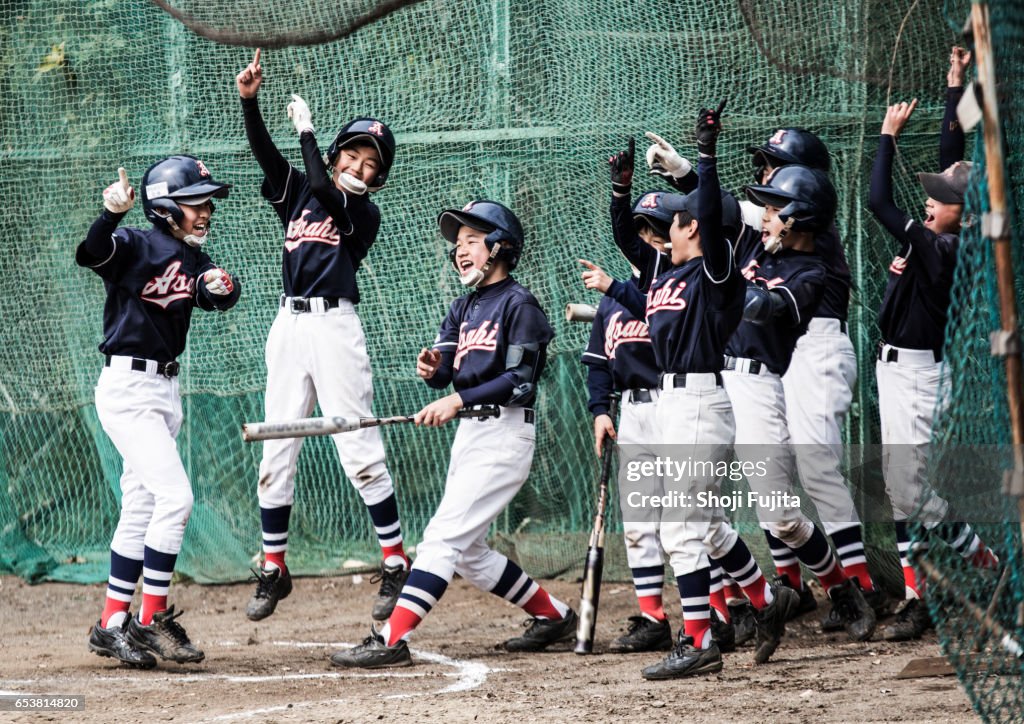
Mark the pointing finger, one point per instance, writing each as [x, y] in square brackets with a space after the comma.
[721, 107]
[588, 265]
[632, 146]
[256, 58]
[655, 138]
[123, 175]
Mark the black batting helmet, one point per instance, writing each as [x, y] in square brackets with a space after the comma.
[376, 134]
[731, 215]
[497, 220]
[177, 180]
[649, 211]
[803, 195]
[790, 145]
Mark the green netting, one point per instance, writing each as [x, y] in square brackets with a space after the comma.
[520, 101]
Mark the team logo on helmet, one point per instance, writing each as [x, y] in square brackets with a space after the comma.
[469, 206]
[778, 138]
[650, 201]
[376, 128]
[203, 171]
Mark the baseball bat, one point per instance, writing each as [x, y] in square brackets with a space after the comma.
[594, 566]
[313, 426]
[580, 312]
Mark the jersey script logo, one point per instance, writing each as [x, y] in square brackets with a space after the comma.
[301, 230]
[169, 287]
[484, 337]
[618, 332]
[668, 297]
[750, 273]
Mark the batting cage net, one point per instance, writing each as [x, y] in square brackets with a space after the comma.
[522, 102]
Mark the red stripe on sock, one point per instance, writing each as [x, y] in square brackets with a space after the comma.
[540, 606]
[733, 592]
[111, 607]
[910, 580]
[833, 577]
[402, 621]
[792, 575]
[696, 628]
[277, 558]
[860, 572]
[151, 604]
[652, 607]
[718, 603]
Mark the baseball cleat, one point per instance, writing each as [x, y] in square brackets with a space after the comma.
[391, 579]
[876, 598]
[855, 613]
[271, 587]
[807, 603]
[643, 634]
[912, 620]
[686, 660]
[542, 632]
[771, 621]
[744, 622]
[113, 643]
[374, 653]
[722, 633]
[165, 637]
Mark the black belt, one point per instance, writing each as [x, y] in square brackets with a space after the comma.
[679, 379]
[528, 413]
[893, 355]
[297, 305]
[167, 369]
[639, 396]
[754, 368]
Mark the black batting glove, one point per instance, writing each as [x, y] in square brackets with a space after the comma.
[621, 166]
[709, 125]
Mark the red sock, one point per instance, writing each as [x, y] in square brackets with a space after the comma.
[277, 558]
[910, 581]
[395, 550]
[151, 604]
[402, 621]
[860, 572]
[652, 607]
[111, 607]
[792, 575]
[733, 592]
[718, 603]
[540, 605]
[755, 592]
[984, 558]
[697, 628]
[833, 577]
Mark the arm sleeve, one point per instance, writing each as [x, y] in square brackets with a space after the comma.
[684, 184]
[321, 185]
[630, 297]
[801, 295]
[212, 302]
[100, 244]
[632, 246]
[717, 253]
[951, 139]
[275, 166]
[600, 382]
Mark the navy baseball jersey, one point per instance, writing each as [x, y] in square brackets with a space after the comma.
[800, 277]
[327, 232]
[152, 281]
[835, 300]
[476, 337]
[620, 345]
[693, 308]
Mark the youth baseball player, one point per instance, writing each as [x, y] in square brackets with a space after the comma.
[153, 279]
[912, 320]
[316, 350]
[691, 309]
[491, 349]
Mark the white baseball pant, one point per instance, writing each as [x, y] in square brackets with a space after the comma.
[141, 413]
[320, 357]
[638, 429]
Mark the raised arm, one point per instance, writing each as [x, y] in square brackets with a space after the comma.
[717, 254]
[951, 138]
[880, 197]
[275, 166]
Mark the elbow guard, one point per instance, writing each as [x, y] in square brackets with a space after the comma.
[762, 305]
[524, 361]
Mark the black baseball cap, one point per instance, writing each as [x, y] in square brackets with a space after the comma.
[949, 186]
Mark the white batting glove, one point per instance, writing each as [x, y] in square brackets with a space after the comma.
[298, 111]
[218, 282]
[663, 159]
[119, 197]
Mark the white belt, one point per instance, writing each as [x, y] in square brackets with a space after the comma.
[826, 325]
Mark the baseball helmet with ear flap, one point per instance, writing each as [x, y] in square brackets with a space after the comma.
[497, 220]
[650, 211]
[790, 145]
[177, 180]
[376, 134]
[805, 197]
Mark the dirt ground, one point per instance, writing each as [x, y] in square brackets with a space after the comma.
[277, 670]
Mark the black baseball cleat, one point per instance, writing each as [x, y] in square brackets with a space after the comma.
[374, 653]
[744, 622]
[165, 637]
[876, 598]
[771, 621]
[271, 587]
[686, 660]
[855, 613]
[542, 632]
[391, 579]
[912, 620]
[113, 643]
[722, 633]
[643, 635]
[807, 603]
